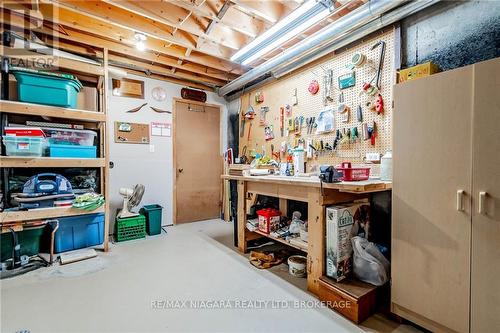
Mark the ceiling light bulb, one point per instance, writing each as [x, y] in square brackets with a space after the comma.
[139, 41]
[140, 45]
[140, 37]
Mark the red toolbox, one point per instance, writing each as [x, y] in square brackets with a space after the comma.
[269, 219]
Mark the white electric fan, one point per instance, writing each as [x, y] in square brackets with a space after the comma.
[131, 199]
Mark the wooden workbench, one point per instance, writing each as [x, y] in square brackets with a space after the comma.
[317, 196]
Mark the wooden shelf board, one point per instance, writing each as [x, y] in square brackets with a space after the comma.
[350, 286]
[282, 240]
[44, 213]
[51, 111]
[50, 162]
[57, 62]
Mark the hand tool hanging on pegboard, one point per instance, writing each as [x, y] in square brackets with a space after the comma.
[378, 76]
[282, 121]
[327, 87]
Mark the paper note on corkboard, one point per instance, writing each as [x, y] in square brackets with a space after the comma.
[131, 132]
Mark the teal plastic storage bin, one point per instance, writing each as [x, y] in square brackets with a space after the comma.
[24, 145]
[46, 88]
[153, 218]
[57, 150]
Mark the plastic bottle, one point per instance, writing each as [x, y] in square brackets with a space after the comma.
[386, 167]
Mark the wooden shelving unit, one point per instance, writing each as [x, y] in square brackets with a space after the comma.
[96, 120]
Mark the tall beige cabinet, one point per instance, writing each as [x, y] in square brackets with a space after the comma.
[446, 200]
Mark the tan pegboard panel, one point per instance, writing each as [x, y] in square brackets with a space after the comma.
[279, 93]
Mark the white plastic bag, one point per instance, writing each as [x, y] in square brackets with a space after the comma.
[369, 264]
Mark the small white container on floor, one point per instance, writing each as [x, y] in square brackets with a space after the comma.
[297, 266]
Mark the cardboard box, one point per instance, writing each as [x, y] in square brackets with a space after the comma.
[12, 88]
[342, 223]
[87, 99]
[417, 71]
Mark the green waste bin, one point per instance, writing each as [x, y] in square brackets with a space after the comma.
[153, 218]
[30, 240]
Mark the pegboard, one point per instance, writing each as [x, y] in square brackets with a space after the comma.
[279, 93]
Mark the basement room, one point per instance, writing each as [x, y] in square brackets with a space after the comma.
[320, 166]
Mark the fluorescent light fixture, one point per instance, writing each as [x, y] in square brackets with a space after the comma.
[305, 16]
[286, 37]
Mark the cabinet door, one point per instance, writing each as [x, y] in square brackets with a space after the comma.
[485, 293]
[431, 229]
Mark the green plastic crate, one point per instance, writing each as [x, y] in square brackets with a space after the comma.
[130, 228]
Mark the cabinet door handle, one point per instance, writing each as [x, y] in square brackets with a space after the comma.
[460, 201]
[482, 199]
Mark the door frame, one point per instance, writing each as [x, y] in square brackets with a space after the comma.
[175, 100]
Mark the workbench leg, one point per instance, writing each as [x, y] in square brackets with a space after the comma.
[316, 240]
[284, 206]
[242, 216]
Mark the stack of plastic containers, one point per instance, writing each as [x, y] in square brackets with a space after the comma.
[71, 143]
[53, 142]
[24, 141]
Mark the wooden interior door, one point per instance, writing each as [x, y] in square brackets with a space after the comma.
[431, 236]
[197, 162]
[485, 293]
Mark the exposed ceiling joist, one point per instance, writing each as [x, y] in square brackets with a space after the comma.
[167, 71]
[106, 31]
[220, 15]
[181, 19]
[156, 76]
[234, 19]
[76, 37]
[270, 11]
[137, 23]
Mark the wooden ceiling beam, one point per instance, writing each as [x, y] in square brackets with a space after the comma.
[165, 71]
[87, 25]
[124, 50]
[170, 79]
[140, 68]
[234, 19]
[220, 14]
[270, 11]
[89, 45]
[181, 19]
[136, 23]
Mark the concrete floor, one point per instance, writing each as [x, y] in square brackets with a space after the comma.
[118, 291]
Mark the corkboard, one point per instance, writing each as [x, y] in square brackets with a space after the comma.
[279, 93]
[139, 133]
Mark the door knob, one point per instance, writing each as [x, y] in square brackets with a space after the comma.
[482, 199]
[180, 170]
